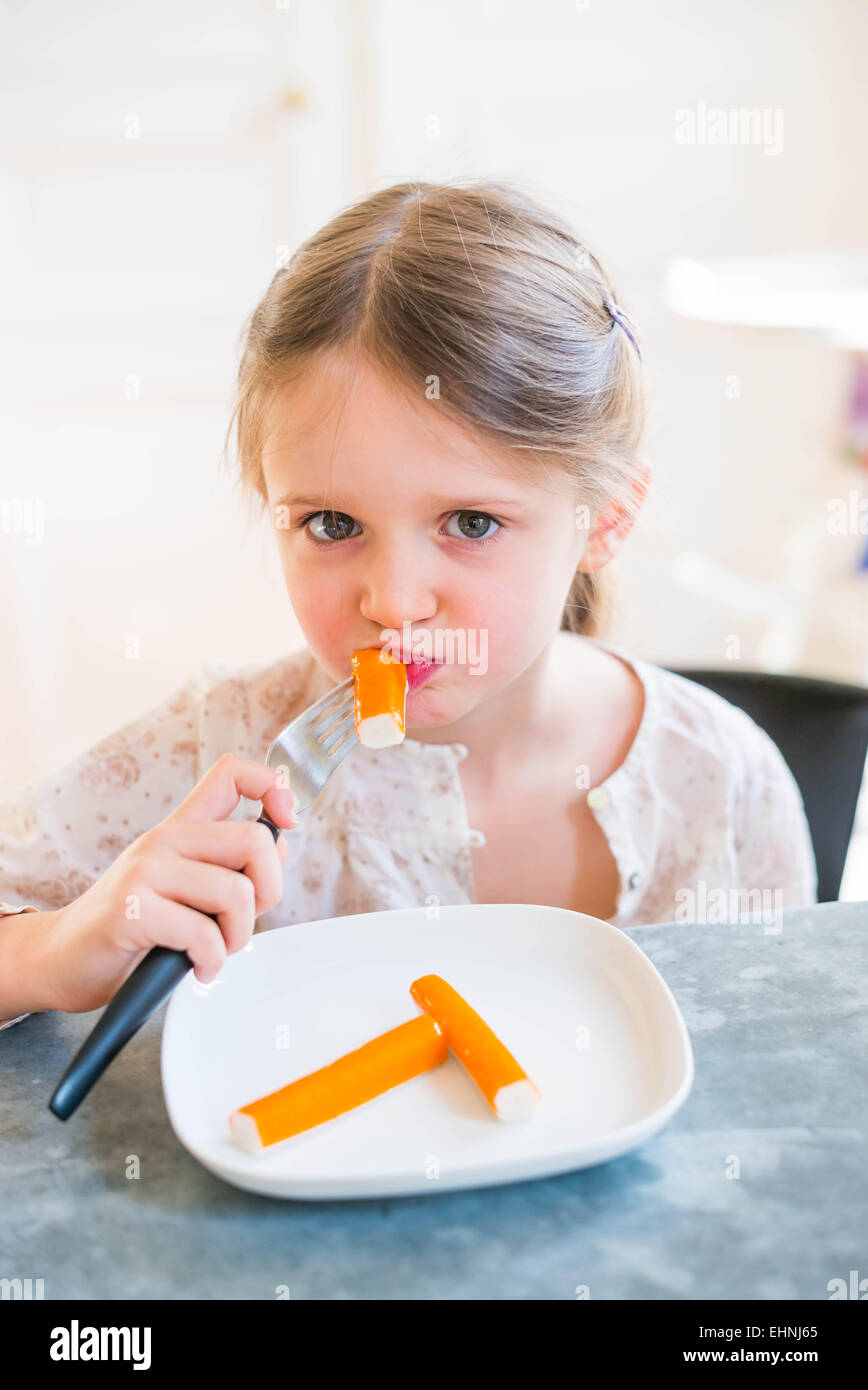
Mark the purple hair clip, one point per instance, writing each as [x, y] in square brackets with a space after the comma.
[621, 318]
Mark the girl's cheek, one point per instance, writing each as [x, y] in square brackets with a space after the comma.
[323, 621]
[491, 630]
[321, 609]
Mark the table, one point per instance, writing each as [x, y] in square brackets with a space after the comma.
[754, 1190]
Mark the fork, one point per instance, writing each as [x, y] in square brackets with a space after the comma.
[310, 748]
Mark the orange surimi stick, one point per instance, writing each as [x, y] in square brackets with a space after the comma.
[380, 697]
[375, 1067]
[507, 1088]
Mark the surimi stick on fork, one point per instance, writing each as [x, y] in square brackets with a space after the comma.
[507, 1088]
[359, 1076]
[380, 697]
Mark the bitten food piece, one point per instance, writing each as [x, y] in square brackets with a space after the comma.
[380, 697]
[508, 1090]
[359, 1076]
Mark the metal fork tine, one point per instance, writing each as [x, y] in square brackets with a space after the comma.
[334, 702]
[316, 741]
[337, 744]
[329, 738]
[337, 720]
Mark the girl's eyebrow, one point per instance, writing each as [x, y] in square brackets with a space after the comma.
[293, 500]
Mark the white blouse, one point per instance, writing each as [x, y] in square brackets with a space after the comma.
[703, 802]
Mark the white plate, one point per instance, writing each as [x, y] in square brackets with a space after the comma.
[583, 1010]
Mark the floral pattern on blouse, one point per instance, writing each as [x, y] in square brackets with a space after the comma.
[702, 795]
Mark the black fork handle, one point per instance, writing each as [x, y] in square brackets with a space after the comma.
[152, 981]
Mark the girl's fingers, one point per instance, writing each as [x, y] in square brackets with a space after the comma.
[172, 924]
[215, 797]
[212, 890]
[246, 846]
[278, 806]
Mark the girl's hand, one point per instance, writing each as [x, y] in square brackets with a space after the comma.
[157, 891]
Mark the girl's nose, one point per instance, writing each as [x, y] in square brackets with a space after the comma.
[392, 609]
[397, 592]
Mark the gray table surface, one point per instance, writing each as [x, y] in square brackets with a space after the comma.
[755, 1189]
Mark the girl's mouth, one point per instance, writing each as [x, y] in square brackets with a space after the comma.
[420, 671]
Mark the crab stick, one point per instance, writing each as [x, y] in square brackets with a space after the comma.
[380, 697]
[507, 1088]
[359, 1076]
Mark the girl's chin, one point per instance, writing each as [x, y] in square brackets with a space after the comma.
[423, 711]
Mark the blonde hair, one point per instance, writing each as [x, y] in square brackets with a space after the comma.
[477, 286]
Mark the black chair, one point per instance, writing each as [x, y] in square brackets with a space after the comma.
[821, 728]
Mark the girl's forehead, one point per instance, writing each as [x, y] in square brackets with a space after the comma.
[337, 424]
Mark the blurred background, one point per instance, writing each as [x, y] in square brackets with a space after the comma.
[160, 162]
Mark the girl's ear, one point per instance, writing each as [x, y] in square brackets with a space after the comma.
[613, 524]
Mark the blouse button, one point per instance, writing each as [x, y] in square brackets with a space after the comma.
[460, 750]
[476, 837]
[597, 798]
[634, 880]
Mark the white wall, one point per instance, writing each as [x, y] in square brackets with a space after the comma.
[156, 166]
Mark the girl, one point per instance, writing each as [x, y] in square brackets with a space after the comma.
[441, 406]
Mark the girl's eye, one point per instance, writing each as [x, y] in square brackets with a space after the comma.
[474, 531]
[338, 527]
[337, 521]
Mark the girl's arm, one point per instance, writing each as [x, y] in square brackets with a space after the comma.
[25, 979]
